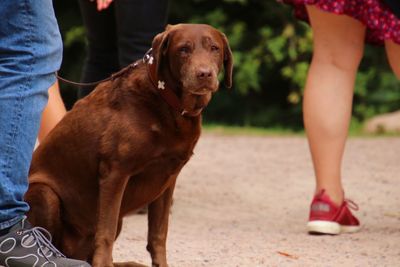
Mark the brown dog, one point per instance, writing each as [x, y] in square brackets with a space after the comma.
[123, 146]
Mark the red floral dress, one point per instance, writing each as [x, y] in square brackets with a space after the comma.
[381, 23]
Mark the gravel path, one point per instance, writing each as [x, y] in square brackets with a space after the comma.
[243, 201]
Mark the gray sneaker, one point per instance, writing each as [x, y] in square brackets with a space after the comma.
[27, 246]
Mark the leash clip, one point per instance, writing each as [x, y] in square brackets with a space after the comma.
[148, 57]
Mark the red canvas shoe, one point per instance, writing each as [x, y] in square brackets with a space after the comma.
[328, 218]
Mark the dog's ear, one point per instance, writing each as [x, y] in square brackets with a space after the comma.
[228, 62]
[160, 47]
[168, 27]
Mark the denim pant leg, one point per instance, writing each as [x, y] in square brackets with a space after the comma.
[30, 53]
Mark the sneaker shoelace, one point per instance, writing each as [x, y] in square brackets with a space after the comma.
[351, 204]
[348, 202]
[43, 240]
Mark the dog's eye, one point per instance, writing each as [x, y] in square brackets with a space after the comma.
[214, 48]
[184, 49]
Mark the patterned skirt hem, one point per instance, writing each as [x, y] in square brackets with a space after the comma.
[381, 24]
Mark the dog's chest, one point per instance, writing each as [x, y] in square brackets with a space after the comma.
[158, 175]
[161, 169]
[174, 155]
[176, 139]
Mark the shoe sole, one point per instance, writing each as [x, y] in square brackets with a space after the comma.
[329, 228]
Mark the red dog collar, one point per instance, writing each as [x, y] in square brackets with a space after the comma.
[165, 91]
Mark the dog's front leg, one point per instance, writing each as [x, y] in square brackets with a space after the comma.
[158, 226]
[112, 184]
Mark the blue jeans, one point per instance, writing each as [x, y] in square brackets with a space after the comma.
[30, 53]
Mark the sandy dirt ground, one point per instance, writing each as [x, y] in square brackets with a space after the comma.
[243, 201]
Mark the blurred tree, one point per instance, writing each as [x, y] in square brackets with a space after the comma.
[272, 51]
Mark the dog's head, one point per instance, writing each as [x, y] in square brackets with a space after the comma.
[189, 57]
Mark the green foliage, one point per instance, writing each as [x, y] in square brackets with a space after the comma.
[74, 35]
[272, 51]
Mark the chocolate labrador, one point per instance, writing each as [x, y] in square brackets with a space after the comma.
[123, 146]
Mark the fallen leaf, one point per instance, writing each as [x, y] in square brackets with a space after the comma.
[392, 214]
[294, 257]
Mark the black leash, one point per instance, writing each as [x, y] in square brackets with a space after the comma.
[82, 84]
[111, 78]
[146, 57]
[165, 91]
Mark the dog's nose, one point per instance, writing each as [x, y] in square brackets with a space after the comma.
[203, 73]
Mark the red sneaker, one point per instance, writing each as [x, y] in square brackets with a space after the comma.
[328, 218]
